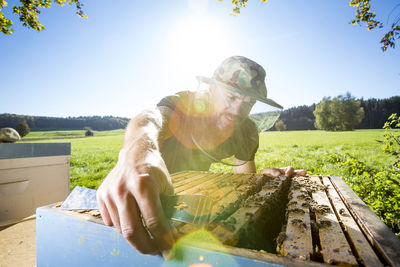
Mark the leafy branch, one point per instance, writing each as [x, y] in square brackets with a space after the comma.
[392, 142]
[29, 11]
[363, 15]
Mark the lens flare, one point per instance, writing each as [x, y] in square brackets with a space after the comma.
[201, 249]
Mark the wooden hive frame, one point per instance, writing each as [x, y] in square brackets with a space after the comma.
[318, 226]
[308, 220]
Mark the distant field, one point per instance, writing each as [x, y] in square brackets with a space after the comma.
[71, 133]
[356, 156]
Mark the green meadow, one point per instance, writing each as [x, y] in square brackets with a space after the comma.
[356, 156]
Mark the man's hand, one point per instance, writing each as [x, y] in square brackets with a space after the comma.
[129, 199]
[287, 171]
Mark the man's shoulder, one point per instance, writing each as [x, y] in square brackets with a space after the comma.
[172, 100]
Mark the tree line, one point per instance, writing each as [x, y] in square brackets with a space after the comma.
[376, 112]
[42, 123]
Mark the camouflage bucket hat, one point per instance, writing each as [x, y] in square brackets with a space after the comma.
[243, 76]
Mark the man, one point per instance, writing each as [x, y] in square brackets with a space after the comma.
[187, 131]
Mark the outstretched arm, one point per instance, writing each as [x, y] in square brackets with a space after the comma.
[244, 166]
[128, 198]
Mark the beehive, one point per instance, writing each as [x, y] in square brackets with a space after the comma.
[301, 221]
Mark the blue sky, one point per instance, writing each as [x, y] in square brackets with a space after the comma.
[129, 54]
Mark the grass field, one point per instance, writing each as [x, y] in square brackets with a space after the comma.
[72, 133]
[356, 156]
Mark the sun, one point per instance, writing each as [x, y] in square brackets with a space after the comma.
[197, 45]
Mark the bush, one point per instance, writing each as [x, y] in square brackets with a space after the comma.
[391, 139]
[22, 128]
[280, 125]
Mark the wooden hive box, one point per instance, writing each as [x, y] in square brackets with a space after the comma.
[255, 221]
[31, 175]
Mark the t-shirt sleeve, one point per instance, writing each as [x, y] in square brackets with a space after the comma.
[248, 141]
[172, 100]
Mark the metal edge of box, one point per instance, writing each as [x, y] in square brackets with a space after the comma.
[75, 242]
[26, 150]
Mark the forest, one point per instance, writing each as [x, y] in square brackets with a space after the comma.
[297, 118]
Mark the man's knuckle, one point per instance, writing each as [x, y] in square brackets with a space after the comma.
[120, 190]
[154, 225]
[128, 233]
[143, 182]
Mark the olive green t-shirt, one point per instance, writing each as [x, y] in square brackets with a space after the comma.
[242, 144]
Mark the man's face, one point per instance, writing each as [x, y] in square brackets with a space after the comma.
[230, 107]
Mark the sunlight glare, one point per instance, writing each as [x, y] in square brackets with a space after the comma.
[197, 46]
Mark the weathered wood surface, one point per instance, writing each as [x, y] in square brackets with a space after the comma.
[377, 232]
[199, 185]
[334, 246]
[228, 231]
[319, 225]
[361, 245]
[185, 177]
[227, 191]
[296, 239]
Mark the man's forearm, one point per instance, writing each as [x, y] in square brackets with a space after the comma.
[246, 167]
[142, 139]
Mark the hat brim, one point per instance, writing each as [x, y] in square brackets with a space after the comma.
[261, 99]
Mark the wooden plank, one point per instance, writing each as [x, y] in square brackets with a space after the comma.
[182, 178]
[197, 184]
[228, 203]
[206, 187]
[377, 232]
[360, 243]
[296, 240]
[229, 231]
[198, 179]
[334, 246]
[225, 202]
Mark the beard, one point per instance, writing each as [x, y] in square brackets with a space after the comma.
[225, 121]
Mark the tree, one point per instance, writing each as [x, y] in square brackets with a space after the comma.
[280, 125]
[363, 15]
[22, 128]
[28, 13]
[342, 113]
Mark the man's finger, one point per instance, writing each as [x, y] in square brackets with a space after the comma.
[132, 227]
[272, 172]
[289, 172]
[113, 212]
[300, 172]
[103, 211]
[149, 203]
